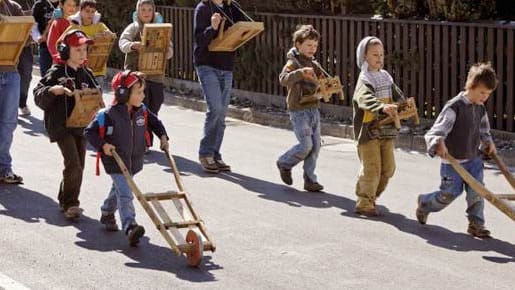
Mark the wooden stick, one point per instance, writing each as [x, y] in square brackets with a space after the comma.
[504, 169]
[502, 205]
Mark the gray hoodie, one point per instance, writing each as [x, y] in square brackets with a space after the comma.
[132, 34]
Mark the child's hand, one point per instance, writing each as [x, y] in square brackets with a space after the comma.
[390, 109]
[164, 143]
[441, 149]
[108, 149]
[58, 90]
[136, 46]
[308, 73]
[490, 149]
[215, 20]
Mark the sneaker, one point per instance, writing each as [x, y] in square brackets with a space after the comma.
[134, 233]
[208, 164]
[421, 214]
[311, 186]
[222, 166]
[11, 178]
[73, 212]
[25, 111]
[110, 222]
[478, 230]
[285, 174]
[368, 211]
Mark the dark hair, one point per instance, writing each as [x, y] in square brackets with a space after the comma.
[87, 3]
[61, 2]
[304, 32]
[481, 73]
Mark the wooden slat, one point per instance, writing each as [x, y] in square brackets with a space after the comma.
[406, 55]
[180, 225]
[490, 105]
[178, 237]
[415, 49]
[345, 62]
[421, 84]
[463, 56]
[164, 195]
[506, 196]
[499, 104]
[353, 72]
[429, 72]
[510, 82]
[437, 70]
[445, 94]
[454, 62]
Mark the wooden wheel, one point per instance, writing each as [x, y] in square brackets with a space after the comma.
[197, 250]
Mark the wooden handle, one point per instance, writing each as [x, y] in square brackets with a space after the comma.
[504, 169]
[396, 120]
[221, 29]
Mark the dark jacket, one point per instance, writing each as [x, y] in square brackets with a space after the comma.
[126, 131]
[59, 107]
[204, 33]
[43, 10]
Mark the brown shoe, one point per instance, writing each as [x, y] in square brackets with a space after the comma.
[222, 166]
[285, 174]
[368, 211]
[478, 230]
[73, 212]
[421, 214]
[208, 164]
[311, 186]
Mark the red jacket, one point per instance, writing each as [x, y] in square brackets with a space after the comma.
[57, 28]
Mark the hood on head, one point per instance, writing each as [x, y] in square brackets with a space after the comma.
[360, 51]
[75, 18]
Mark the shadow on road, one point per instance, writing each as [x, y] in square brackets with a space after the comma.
[33, 125]
[34, 207]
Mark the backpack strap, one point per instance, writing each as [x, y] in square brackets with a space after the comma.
[147, 133]
[102, 132]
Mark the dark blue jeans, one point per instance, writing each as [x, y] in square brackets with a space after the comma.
[25, 70]
[45, 59]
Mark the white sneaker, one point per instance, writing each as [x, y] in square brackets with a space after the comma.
[25, 111]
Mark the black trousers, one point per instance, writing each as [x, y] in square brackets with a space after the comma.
[25, 70]
[154, 98]
[73, 149]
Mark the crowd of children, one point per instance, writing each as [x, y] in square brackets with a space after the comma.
[127, 125]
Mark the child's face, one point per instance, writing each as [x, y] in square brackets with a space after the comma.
[137, 95]
[479, 94]
[87, 14]
[69, 7]
[78, 54]
[375, 57]
[146, 13]
[307, 48]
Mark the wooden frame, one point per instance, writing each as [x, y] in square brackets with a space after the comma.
[98, 53]
[196, 239]
[155, 39]
[500, 201]
[87, 104]
[14, 32]
[236, 35]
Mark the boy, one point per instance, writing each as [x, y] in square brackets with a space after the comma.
[130, 44]
[125, 125]
[59, 25]
[459, 129]
[215, 73]
[299, 75]
[88, 20]
[373, 97]
[51, 95]
[43, 11]
[9, 99]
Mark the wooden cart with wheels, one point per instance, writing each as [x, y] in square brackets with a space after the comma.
[500, 201]
[196, 240]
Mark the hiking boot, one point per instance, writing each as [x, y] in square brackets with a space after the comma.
[285, 174]
[134, 233]
[311, 186]
[110, 222]
[222, 166]
[478, 230]
[73, 212]
[25, 111]
[208, 164]
[420, 213]
[367, 211]
[11, 178]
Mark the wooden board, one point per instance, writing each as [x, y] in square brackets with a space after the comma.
[14, 32]
[98, 53]
[87, 104]
[155, 40]
[236, 36]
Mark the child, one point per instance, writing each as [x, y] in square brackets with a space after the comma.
[9, 99]
[50, 95]
[43, 10]
[130, 44]
[215, 73]
[88, 20]
[373, 97]
[59, 26]
[299, 75]
[459, 129]
[125, 125]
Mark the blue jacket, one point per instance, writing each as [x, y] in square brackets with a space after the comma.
[204, 33]
[127, 133]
